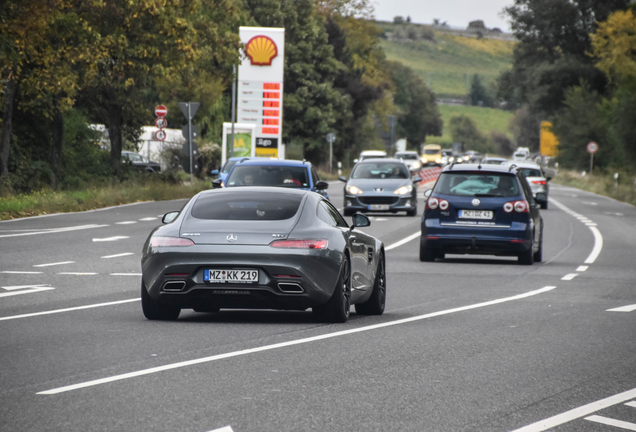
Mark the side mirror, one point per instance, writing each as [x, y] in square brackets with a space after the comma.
[428, 193]
[359, 220]
[342, 179]
[217, 183]
[169, 217]
[214, 172]
[417, 179]
[321, 185]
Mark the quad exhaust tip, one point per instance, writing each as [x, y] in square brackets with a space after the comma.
[288, 287]
[174, 286]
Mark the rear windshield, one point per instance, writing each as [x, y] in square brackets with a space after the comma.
[380, 170]
[256, 175]
[246, 206]
[493, 162]
[432, 151]
[530, 172]
[409, 156]
[478, 184]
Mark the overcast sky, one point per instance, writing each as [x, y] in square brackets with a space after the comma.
[458, 13]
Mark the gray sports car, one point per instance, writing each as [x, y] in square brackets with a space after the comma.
[262, 248]
[380, 185]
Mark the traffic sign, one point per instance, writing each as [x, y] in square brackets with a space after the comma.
[331, 137]
[160, 135]
[592, 147]
[194, 130]
[194, 106]
[186, 148]
[161, 111]
[161, 122]
[185, 163]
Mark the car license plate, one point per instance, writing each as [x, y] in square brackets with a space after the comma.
[475, 214]
[230, 276]
[379, 207]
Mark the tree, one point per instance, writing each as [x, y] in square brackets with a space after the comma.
[464, 130]
[525, 127]
[478, 94]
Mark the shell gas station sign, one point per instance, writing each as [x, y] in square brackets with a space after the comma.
[260, 86]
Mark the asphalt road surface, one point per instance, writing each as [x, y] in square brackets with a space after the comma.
[465, 344]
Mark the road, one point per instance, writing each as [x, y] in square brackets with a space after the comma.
[465, 344]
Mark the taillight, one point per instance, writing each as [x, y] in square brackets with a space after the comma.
[443, 205]
[541, 182]
[432, 203]
[518, 206]
[299, 244]
[170, 241]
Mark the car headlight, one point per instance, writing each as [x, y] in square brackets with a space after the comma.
[438, 160]
[450, 159]
[460, 160]
[354, 190]
[416, 165]
[404, 190]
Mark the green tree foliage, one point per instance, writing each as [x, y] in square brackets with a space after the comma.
[419, 116]
[526, 127]
[479, 95]
[464, 130]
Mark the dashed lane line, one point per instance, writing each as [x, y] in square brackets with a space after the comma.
[125, 274]
[146, 219]
[290, 343]
[54, 230]
[118, 255]
[20, 272]
[29, 290]
[569, 277]
[109, 239]
[78, 273]
[54, 264]
[126, 223]
[582, 268]
[628, 308]
[612, 422]
[67, 309]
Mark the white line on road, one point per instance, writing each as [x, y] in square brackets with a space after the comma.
[579, 412]
[54, 230]
[118, 255]
[569, 276]
[581, 268]
[27, 291]
[67, 309]
[598, 246]
[628, 308]
[77, 274]
[289, 343]
[126, 223]
[223, 429]
[404, 241]
[20, 272]
[148, 219]
[631, 404]
[108, 239]
[17, 287]
[611, 422]
[54, 264]
[125, 274]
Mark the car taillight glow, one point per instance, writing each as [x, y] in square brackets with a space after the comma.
[539, 182]
[300, 244]
[432, 203]
[518, 206]
[160, 241]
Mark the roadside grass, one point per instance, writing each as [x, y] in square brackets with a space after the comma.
[601, 184]
[486, 119]
[48, 201]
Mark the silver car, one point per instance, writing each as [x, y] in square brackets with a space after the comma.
[537, 179]
[411, 159]
[262, 248]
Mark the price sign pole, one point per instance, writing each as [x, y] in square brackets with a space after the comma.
[592, 148]
[331, 137]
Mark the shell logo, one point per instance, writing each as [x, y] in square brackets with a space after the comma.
[261, 50]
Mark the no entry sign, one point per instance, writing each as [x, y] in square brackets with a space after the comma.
[161, 111]
[592, 147]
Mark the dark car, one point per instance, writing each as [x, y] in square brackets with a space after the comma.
[262, 248]
[285, 173]
[140, 162]
[380, 185]
[227, 166]
[479, 209]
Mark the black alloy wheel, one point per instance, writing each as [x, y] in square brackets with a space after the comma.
[527, 257]
[336, 310]
[157, 311]
[426, 254]
[376, 303]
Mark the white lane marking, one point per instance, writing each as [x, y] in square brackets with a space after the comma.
[289, 343]
[404, 241]
[631, 404]
[68, 309]
[118, 255]
[581, 268]
[591, 224]
[590, 203]
[611, 422]
[148, 219]
[569, 276]
[126, 223]
[598, 246]
[54, 264]
[125, 274]
[579, 412]
[77, 274]
[55, 230]
[20, 272]
[223, 429]
[628, 308]
[107, 239]
[17, 287]
[27, 291]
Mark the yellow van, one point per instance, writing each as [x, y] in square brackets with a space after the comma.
[432, 155]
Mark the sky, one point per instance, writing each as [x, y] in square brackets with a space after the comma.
[457, 13]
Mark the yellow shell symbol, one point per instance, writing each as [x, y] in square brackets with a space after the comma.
[261, 50]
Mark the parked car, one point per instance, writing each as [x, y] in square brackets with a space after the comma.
[494, 161]
[380, 185]
[482, 209]
[432, 155]
[140, 162]
[273, 172]
[370, 154]
[262, 248]
[411, 159]
[537, 180]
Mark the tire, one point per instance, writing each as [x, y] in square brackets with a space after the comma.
[426, 254]
[412, 212]
[526, 258]
[336, 310]
[538, 255]
[544, 205]
[157, 311]
[376, 303]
